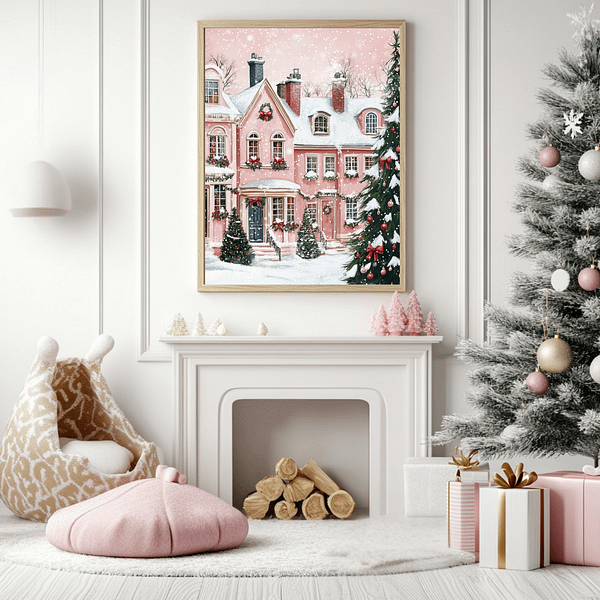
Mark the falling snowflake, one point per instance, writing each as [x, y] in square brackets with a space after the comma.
[573, 122]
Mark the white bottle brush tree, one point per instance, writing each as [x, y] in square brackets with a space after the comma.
[532, 393]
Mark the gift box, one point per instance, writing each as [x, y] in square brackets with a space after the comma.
[575, 517]
[463, 516]
[514, 528]
[426, 481]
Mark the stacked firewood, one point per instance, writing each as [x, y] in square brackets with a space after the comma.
[308, 489]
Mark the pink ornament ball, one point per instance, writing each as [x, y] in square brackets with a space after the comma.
[589, 279]
[370, 276]
[549, 156]
[537, 382]
[363, 270]
[383, 271]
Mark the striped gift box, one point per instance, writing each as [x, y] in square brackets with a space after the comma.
[463, 516]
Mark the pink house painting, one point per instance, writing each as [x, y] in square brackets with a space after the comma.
[271, 151]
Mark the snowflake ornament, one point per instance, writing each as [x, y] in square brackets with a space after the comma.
[573, 121]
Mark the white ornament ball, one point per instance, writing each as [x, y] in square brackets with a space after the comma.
[512, 432]
[595, 369]
[589, 164]
[560, 280]
[554, 355]
[551, 182]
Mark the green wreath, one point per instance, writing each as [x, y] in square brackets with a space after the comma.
[327, 209]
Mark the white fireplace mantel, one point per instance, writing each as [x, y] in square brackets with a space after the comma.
[392, 374]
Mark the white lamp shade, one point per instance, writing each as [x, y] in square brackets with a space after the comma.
[44, 192]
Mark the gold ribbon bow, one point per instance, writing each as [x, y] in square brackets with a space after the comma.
[463, 462]
[514, 479]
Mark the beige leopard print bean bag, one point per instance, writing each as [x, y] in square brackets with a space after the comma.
[66, 398]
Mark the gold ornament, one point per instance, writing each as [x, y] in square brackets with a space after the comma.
[514, 479]
[554, 355]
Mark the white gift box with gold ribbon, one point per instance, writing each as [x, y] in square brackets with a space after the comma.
[514, 528]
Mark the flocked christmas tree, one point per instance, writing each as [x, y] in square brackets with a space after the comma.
[533, 393]
[376, 247]
[235, 248]
[307, 246]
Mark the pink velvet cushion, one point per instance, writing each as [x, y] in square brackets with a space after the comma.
[148, 518]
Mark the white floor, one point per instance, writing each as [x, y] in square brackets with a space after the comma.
[460, 583]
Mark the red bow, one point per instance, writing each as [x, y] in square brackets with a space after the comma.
[373, 252]
[278, 226]
[253, 161]
[385, 161]
[254, 201]
[279, 162]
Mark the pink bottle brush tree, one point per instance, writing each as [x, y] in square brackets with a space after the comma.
[397, 319]
[380, 325]
[414, 314]
[430, 326]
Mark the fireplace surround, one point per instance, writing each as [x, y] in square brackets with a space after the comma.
[391, 374]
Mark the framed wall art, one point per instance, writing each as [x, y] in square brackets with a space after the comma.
[301, 156]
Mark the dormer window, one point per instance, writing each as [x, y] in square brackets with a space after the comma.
[211, 92]
[371, 122]
[321, 124]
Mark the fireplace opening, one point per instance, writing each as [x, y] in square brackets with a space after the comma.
[334, 432]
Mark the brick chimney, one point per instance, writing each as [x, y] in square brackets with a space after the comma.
[256, 69]
[281, 89]
[292, 90]
[338, 90]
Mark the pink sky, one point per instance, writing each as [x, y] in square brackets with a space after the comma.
[313, 51]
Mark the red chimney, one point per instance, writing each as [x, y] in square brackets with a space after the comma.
[292, 91]
[338, 89]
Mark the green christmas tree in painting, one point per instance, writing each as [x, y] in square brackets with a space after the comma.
[376, 247]
[535, 385]
[307, 246]
[235, 248]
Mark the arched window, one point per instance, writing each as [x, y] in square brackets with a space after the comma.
[216, 142]
[371, 123]
[321, 124]
[253, 148]
[277, 143]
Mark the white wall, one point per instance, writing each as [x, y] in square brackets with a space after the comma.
[119, 119]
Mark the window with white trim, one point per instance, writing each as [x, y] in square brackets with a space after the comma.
[312, 211]
[211, 92]
[277, 204]
[277, 145]
[220, 197]
[311, 163]
[351, 164]
[369, 161]
[216, 142]
[253, 140]
[371, 122]
[290, 210]
[330, 164]
[351, 210]
[321, 124]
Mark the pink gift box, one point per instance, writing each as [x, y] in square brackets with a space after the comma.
[463, 516]
[574, 517]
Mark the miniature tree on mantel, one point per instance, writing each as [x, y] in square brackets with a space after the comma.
[414, 314]
[397, 319]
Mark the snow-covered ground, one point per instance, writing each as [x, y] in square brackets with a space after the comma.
[327, 269]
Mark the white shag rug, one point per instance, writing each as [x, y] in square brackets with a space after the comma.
[273, 548]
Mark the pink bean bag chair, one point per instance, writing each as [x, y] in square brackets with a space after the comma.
[65, 399]
[147, 519]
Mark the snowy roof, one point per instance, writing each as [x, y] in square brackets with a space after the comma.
[213, 170]
[217, 109]
[270, 184]
[243, 100]
[344, 128]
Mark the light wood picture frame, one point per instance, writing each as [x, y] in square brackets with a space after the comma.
[301, 156]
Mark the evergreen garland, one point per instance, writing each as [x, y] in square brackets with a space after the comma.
[376, 247]
[562, 231]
